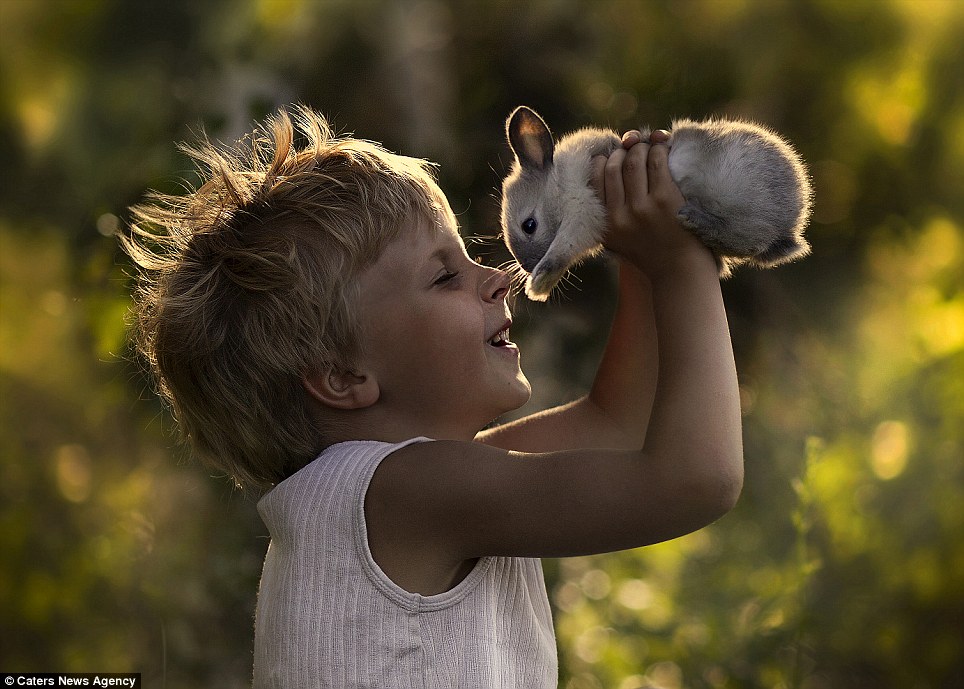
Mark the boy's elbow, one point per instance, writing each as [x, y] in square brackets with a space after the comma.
[716, 489]
[726, 484]
[731, 488]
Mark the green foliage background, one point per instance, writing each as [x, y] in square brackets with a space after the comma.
[843, 565]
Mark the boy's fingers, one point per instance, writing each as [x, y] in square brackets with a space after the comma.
[657, 165]
[660, 180]
[656, 161]
[635, 177]
[615, 193]
[660, 136]
[631, 138]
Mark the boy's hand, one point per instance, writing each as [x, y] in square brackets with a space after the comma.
[642, 202]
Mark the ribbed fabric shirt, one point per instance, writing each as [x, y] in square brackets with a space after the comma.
[327, 615]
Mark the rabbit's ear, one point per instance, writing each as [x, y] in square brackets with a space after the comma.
[529, 138]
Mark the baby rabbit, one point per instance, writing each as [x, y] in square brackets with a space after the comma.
[747, 193]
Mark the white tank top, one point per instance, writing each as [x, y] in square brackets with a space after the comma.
[328, 616]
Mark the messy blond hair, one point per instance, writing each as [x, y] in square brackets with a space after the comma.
[246, 283]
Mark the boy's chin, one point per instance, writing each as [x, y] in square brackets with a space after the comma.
[521, 392]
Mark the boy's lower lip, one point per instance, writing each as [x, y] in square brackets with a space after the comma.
[509, 347]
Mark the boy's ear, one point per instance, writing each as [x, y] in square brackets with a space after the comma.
[342, 389]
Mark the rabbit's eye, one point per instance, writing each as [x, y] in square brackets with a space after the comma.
[529, 225]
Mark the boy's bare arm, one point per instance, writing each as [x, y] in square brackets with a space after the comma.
[459, 500]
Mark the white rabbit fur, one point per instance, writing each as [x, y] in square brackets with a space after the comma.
[747, 192]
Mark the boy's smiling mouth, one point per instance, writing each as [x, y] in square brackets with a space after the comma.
[501, 338]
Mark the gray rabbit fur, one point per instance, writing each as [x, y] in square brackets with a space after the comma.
[747, 193]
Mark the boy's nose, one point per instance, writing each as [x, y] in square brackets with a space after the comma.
[496, 286]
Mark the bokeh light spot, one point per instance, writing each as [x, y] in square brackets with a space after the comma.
[889, 449]
[73, 468]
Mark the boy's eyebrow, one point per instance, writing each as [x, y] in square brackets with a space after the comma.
[441, 254]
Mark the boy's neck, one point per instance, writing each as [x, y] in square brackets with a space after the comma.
[373, 424]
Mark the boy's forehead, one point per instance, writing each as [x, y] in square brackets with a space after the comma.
[447, 231]
[416, 245]
[428, 235]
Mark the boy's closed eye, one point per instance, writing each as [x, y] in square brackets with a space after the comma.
[446, 277]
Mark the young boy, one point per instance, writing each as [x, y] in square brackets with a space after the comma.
[313, 318]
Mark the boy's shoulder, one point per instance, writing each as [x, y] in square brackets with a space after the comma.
[343, 470]
[409, 513]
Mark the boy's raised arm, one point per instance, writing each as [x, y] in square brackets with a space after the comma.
[470, 499]
[696, 408]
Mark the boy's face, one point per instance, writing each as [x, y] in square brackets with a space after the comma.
[433, 328]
